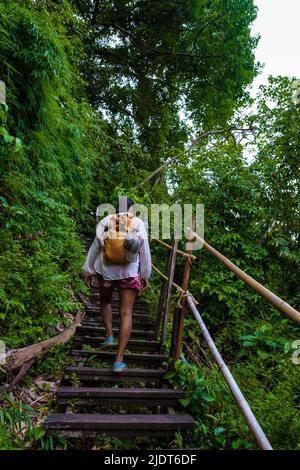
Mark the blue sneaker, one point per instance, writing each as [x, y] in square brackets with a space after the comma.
[119, 367]
[108, 342]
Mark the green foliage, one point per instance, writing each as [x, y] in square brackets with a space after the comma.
[270, 384]
[61, 156]
[54, 362]
[277, 166]
[45, 174]
[218, 423]
[19, 431]
[146, 61]
[251, 216]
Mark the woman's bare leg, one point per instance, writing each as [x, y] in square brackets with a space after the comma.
[127, 297]
[105, 305]
[106, 313]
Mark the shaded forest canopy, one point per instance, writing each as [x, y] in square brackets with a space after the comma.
[99, 94]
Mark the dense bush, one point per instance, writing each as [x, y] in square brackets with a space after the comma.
[46, 175]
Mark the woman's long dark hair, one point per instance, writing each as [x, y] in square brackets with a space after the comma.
[129, 203]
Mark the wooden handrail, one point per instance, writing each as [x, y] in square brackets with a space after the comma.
[177, 287]
[179, 314]
[273, 299]
[253, 424]
[162, 298]
[171, 271]
[179, 252]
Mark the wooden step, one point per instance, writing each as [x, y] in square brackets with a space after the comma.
[93, 374]
[91, 425]
[116, 309]
[120, 396]
[115, 305]
[139, 324]
[100, 330]
[117, 316]
[131, 358]
[95, 297]
[93, 302]
[132, 345]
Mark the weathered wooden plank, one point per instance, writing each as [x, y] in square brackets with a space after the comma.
[101, 371]
[116, 308]
[124, 392]
[116, 314]
[138, 324]
[128, 357]
[97, 330]
[114, 422]
[112, 392]
[132, 345]
[123, 433]
[95, 295]
[95, 299]
[131, 375]
[125, 402]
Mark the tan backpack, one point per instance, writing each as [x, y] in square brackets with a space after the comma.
[114, 242]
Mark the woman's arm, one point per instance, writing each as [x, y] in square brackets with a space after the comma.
[89, 265]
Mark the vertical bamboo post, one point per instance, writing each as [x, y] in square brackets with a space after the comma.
[169, 289]
[178, 319]
[162, 297]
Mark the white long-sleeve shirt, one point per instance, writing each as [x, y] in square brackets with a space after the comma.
[95, 262]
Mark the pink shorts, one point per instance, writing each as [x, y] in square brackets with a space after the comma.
[107, 285]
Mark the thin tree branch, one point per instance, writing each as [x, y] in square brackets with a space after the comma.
[158, 170]
[204, 135]
[209, 23]
[158, 51]
[225, 130]
[24, 369]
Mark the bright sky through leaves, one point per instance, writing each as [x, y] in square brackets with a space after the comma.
[278, 24]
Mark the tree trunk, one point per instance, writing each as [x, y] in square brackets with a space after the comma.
[16, 358]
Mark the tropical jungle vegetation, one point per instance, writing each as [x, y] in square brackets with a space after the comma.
[100, 93]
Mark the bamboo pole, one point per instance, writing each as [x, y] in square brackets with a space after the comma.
[169, 289]
[162, 297]
[273, 299]
[158, 170]
[176, 286]
[178, 320]
[179, 252]
[251, 420]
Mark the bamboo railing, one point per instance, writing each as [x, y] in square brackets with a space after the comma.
[251, 420]
[187, 298]
[273, 299]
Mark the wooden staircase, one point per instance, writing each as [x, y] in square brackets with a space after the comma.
[137, 402]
